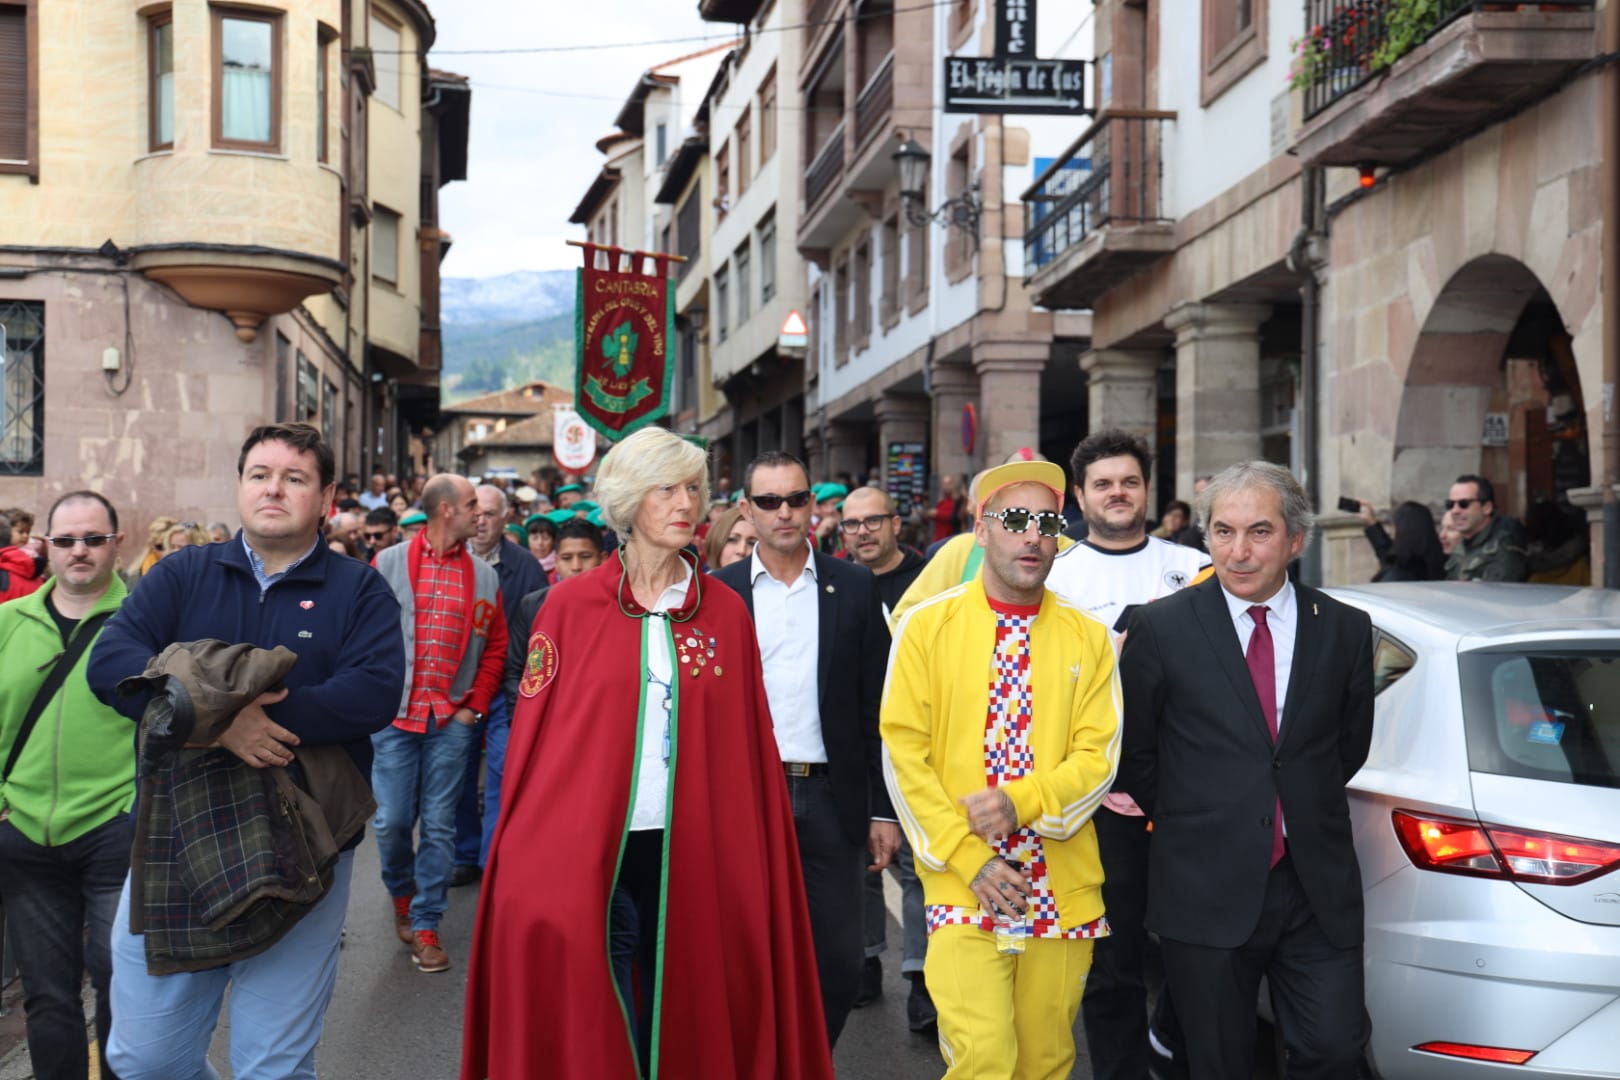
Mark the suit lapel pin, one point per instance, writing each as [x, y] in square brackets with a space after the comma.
[1314, 611]
[831, 589]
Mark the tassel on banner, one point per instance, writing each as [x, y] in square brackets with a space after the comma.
[617, 255]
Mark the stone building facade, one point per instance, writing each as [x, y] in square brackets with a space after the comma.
[230, 217]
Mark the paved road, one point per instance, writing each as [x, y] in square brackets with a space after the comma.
[388, 1021]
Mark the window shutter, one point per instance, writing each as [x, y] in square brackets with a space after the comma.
[13, 84]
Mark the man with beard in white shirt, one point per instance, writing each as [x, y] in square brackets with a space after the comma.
[1117, 568]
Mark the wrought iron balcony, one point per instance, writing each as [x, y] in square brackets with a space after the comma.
[876, 102]
[1096, 215]
[1382, 83]
[824, 171]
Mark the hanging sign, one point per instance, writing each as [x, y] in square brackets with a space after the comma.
[623, 316]
[573, 443]
[1014, 79]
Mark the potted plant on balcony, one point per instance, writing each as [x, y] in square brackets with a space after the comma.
[1310, 59]
[1407, 24]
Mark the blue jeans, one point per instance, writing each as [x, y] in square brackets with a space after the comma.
[418, 776]
[162, 1024]
[50, 895]
[475, 819]
[500, 726]
[913, 925]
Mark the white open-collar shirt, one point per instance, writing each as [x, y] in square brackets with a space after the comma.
[787, 620]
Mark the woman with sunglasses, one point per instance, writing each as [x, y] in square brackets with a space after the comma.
[642, 776]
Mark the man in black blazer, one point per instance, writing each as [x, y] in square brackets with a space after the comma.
[1248, 706]
[825, 647]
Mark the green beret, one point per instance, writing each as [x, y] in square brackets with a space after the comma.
[735, 495]
[532, 518]
[518, 533]
[414, 517]
[567, 488]
[560, 517]
[595, 518]
[823, 492]
[585, 505]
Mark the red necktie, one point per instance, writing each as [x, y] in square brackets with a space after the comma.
[1262, 661]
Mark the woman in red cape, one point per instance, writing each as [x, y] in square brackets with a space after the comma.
[735, 993]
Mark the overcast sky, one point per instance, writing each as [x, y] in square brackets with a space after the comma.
[536, 116]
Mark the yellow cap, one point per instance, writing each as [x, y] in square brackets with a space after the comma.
[1046, 473]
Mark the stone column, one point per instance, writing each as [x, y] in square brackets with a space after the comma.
[1009, 396]
[846, 450]
[815, 454]
[954, 385]
[1123, 392]
[1217, 386]
[899, 420]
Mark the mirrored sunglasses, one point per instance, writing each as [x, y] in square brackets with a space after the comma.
[1015, 519]
[798, 500]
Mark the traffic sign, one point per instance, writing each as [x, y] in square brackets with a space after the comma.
[794, 334]
[983, 84]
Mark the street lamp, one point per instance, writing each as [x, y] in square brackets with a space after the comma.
[962, 211]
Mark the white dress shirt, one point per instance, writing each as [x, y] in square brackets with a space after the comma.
[1282, 617]
[787, 618]
[652, 770]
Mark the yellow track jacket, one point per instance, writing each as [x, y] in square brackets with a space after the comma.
[935, 702]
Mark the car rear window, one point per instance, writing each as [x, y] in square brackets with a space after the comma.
[1544, 714]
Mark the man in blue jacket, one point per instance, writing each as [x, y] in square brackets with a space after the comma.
[277, 583]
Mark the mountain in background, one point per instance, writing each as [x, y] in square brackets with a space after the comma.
[507, 330]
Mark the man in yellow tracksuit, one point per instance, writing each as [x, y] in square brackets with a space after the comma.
[1000, 726]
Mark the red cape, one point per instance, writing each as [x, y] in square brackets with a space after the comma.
[738, 995]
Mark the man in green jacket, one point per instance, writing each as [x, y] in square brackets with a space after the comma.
[67, 787]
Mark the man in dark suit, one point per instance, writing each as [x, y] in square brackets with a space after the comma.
[1248, 706]
[824, 645]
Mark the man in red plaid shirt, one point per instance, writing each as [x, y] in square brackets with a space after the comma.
[455, 648]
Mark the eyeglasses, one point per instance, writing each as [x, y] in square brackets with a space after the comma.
[1015, 519]
[1460, 504]
[798, 500]
[93, 541]
[870, 524]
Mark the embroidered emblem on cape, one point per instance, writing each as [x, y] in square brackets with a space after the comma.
[694, 650]
[541, 666]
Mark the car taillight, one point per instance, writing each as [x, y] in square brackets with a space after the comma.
[1478, 1053]
[1456, 846]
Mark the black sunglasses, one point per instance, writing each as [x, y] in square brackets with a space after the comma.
[92, 541]
[1460, 504]
[798, 500]
[1015, 519]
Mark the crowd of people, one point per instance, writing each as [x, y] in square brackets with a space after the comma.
[677, 737]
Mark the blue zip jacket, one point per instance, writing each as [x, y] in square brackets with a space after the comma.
[336, 613]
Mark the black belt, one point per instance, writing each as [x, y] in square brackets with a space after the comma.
[805, 768]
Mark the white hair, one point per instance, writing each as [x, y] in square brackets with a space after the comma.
[650, 458]
[1298, 518]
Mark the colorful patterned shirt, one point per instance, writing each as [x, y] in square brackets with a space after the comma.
[442, 592]
[1008, 756]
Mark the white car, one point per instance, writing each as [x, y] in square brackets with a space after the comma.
[1487, 823]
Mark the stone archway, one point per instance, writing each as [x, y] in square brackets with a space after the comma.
[1492, 343]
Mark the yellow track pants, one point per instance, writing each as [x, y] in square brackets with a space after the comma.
[1005, 1017]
